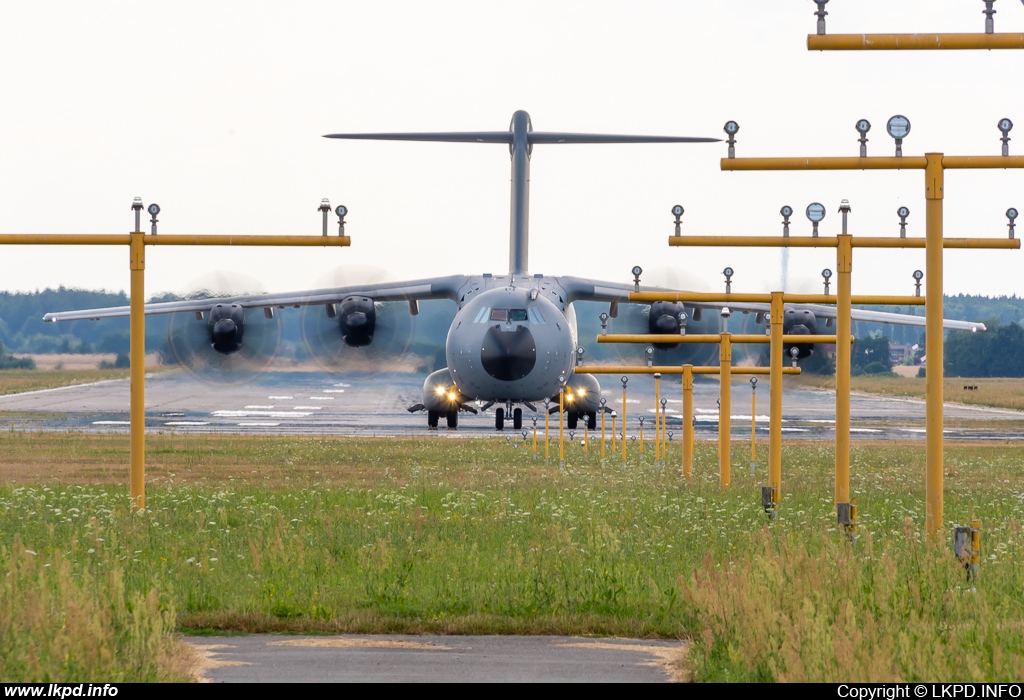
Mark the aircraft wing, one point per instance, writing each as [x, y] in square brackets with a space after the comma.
[434, 288]
[580, 289]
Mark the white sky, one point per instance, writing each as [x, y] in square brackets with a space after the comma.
[216, 110]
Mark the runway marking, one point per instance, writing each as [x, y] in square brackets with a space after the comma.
[305, 408]
[258, 406]
[864, 430]
[274, 398]
[186, 423]
[111, 422]
[350, 643]
[344, 384]
[321, 398]
[267, 414]
[820, 420]
[794, 430]
[334, 391]
[259, 425]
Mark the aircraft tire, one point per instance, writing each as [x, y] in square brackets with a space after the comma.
[499, 419]
[517, 419]
[591, 421]
[573, 420]
[432, 420]
[453, 419]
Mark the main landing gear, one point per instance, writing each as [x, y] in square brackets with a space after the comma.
[452, 418]
[499, 419]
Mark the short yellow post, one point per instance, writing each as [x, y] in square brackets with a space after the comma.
[753, 425]
[547, 439]
[586, 434]
[602, 432]
[137, 371]
[624, 381]
[725, 410]
[561, 425]
[688, 436]
[775, 399]
[844, 268]
[641, 436]
[657, 403]
[535, 438]
[933, 342]
[614, 444]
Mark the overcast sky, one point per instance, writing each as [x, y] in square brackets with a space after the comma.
[215, 110]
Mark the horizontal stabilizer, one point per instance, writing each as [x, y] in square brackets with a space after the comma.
[451, 137]
[535, 137]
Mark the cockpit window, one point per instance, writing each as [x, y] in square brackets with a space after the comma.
[517, 314]
[499, 314]
[535, 315]
[481, 315]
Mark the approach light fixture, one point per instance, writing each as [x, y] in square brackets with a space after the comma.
[649, 352]
[918, 276]
[625, 380]
[863, 127]
[325, 209]
[753, 383]
[1011, 214]
[637, 270]
[794, 352]
[580, 351]
[341, 210]
[604, 322]
[137, 208]
[731, 129]
[815, 212]
[1004, 126]
[153, 210]
[677, 211]
[844, 209]
[903, 213]
[821, 14]
[728, 272]
[786, 211]
[989, 12]
[682, 322]
[898, 127]
[826, 275]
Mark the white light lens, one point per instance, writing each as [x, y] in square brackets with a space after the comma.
[898, 126]
[815, 211]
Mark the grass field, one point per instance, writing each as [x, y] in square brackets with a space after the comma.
[1000, 392]
[473, 536]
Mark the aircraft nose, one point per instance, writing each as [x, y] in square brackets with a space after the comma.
[508, 355]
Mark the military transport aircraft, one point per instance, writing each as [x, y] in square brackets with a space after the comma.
[513, 339]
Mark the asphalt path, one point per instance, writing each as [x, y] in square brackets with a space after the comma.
[436, 659]
[375, 404]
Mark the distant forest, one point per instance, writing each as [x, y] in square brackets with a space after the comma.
[22, 330]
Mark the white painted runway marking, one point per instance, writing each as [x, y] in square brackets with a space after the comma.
[259, 425]
[864, 430]
[186, 423]
[258, 406]
[321, 398]
[334, 391]
[267, 414]
[111, 422]
[275, 398]
[344, 384]
[307, 408]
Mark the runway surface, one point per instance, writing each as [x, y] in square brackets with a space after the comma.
[375, 404]
[435, 659]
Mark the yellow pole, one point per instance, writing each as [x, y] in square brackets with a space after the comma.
[725, 411]
[137, 371]
[933, 343]
[688, 421]
[844, 268]
[623, 420]
[547, 439]
[614, 444]
[586, 431]
[775, 399]
[561, 426]
[657, 404]
[641, 436]
[535, 439]
[602, 433]
[753, 428]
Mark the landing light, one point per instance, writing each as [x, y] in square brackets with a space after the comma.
[439, 391]
[581, 392]
[451, 396]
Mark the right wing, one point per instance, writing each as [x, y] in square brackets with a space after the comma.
[434, 288]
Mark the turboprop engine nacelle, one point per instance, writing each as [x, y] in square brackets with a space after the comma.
[799, 322]
[357, 318]
[226, 325]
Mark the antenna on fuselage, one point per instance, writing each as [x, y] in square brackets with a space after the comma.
[521, 138]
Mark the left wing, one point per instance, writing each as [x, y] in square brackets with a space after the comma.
[434, 288]
[580, 289]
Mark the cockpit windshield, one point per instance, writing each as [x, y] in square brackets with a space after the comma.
[509, 315]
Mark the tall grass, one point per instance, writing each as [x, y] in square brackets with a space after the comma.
[474, 536]
[61, 625]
